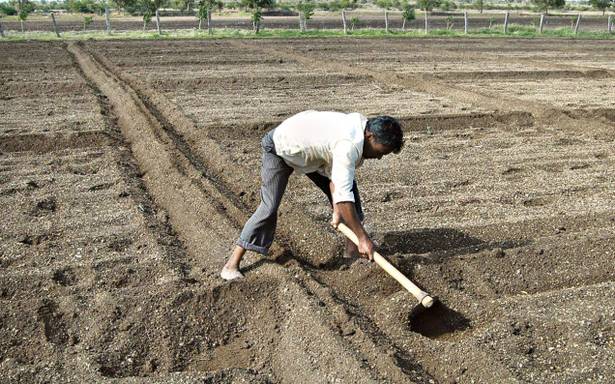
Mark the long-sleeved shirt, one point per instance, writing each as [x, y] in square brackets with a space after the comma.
[330, 143]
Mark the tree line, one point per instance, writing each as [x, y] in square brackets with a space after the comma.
[203, 9]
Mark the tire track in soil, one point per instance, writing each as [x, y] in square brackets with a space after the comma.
[367, 347]
[543, 114]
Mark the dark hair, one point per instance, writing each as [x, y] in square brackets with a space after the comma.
[387, 131]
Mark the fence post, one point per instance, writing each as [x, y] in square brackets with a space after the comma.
[344, 21]
[506, 22]
[542, 21]
[107, 20]
[55, 26]
[158, 21]
[1, 29]
[576, 26]
[465, 22]
[386, 21]
[426, 22]
[609, 24]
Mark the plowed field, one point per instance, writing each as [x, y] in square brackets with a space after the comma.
[127, 169]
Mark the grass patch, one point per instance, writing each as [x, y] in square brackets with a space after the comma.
[514, 31]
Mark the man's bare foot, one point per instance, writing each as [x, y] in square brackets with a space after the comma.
[229, 274]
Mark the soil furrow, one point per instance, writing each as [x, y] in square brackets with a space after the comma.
[543, 113]
[186, 224]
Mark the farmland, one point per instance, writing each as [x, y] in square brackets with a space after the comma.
[127, 169]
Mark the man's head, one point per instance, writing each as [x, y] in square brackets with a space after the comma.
[383, 135]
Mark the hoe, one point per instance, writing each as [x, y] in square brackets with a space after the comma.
[423, 297]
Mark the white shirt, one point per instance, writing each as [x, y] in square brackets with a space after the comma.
[330, 143]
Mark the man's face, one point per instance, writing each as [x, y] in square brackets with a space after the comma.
[373, 149]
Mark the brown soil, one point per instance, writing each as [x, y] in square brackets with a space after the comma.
[117, 227]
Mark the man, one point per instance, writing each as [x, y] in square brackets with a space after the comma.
[327, 147]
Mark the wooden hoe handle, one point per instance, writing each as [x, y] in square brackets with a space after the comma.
[421, 296]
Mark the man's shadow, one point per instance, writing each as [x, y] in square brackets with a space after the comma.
[422, 241]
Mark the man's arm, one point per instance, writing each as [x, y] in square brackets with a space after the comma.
[346, 211]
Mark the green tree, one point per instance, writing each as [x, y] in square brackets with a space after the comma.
[601, 4]
[343, 5]
[127, 4]
[545, 5]
[427, 5]
[150, 8]
[148, 13]
[25, 8]
[387, 5]
[256, 8]
[480, 4]
[87, 20]
[8, 10]
[354, 21]
[407, 14]
[306, 11]
[205, 9]
[83, 6]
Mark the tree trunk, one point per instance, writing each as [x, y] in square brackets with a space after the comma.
[506, 22]
[200, 24]
[2, 29]
[158, 21]
[465, 22]
[542, 22]
[22, 26]
[144, 25]
[210, 30]
[403, 25]
[386, 21]
[609, 24]
[426, 22]
[576, 26]
[344, 20]
[55, 26]
[107, 20]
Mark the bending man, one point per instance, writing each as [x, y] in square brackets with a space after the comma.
[327, 147]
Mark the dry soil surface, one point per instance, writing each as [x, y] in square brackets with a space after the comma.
[128, 168]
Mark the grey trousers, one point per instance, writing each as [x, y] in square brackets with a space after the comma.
[258, 232]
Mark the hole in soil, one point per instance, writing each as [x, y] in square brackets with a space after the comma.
[65, 277]
[436, 322]
[44, 207]
[35, 239]
[438, 239]
[119, 244]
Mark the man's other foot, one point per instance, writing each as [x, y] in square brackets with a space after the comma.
[230, 274]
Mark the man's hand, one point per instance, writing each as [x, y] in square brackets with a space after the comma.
[366, 248]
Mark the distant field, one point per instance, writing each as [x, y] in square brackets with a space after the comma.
[590, 22]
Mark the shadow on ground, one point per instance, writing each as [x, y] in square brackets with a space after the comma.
[437, 321]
